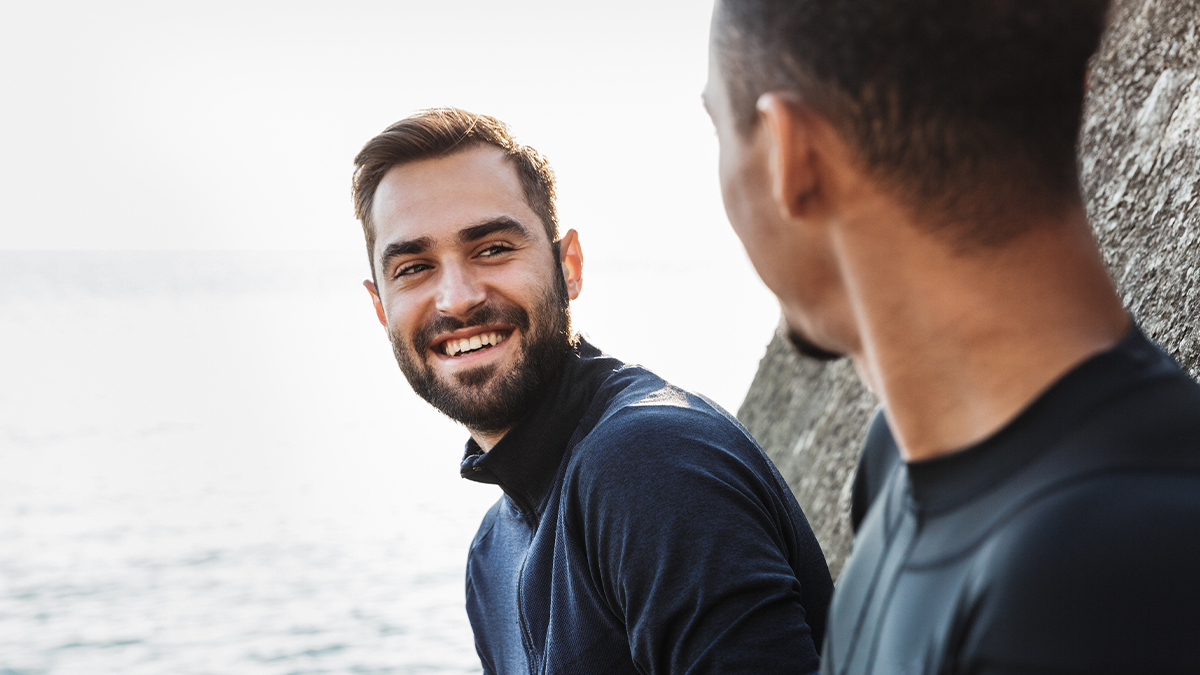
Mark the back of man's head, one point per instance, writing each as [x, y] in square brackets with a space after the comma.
[439, 132]
[963, 107]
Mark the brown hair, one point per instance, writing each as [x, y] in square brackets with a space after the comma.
[439, 132]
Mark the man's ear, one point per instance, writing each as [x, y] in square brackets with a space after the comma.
[790, 159]
[571, 258]
[370, 286]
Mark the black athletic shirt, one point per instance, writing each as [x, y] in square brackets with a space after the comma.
[1068, 542]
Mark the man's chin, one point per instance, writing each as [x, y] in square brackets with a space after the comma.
[472, 381]
[809, 348]
[469, 397]
[485, 398]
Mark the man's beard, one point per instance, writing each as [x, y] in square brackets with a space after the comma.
[808, 348]
[485, 399]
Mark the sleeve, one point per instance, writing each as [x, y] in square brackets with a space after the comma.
[691, 544]
[483, 662]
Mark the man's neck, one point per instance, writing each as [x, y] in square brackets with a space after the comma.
[487, 440]
[958, 344]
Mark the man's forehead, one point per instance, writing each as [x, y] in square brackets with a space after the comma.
[439, 196]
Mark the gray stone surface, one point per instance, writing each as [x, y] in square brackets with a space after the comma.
[810, 417]
[1140, 167]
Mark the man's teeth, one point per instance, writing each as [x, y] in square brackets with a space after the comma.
[456, 347]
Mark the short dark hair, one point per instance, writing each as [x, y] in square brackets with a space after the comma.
[946, 100]
[439, 132]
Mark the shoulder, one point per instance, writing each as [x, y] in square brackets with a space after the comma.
[653, 441]
[653, 425]
[1110, 518]
[1103, 571]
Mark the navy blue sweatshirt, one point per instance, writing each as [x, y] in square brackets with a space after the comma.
[641, 530]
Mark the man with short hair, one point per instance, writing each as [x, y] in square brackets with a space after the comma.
[641, 530]
[902, 175]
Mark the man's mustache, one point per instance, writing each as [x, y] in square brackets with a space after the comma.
[490, 313]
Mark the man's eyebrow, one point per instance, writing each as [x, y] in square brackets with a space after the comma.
[401, 248]
[502, 224]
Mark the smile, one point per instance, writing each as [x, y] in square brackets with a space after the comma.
[461, 346]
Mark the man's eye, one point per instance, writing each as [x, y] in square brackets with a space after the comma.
[494, 249]
[411, 269]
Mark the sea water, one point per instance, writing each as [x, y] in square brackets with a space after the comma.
[210, 464]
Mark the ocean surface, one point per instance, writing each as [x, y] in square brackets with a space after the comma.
[210, 463]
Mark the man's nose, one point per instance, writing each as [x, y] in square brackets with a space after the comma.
[459, 291]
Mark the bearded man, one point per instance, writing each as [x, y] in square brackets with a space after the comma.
[903, 177]
[641, 530]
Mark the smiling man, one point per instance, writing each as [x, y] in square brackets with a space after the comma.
[641, 529]
[903, 177]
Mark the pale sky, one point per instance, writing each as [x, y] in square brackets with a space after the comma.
[232, 125]
[139, 124]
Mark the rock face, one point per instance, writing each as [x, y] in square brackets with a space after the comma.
[811, 417]
[1140, 167]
